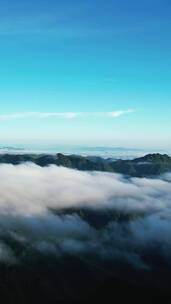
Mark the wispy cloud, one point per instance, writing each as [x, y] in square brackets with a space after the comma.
[54, 23]
[63, 115]
[47, 24]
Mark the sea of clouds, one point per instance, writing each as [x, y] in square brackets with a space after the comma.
[30, 194]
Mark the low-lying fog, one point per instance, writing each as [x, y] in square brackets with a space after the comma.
[31, 200]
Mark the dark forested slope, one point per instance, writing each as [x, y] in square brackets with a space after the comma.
[148, 165]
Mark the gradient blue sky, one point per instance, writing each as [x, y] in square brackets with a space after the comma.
[67, 67]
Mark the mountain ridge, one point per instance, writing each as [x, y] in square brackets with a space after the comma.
[148, 165]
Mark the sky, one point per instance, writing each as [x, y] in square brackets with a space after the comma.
[86, 72]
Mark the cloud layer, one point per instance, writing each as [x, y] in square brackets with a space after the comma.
[32, 200]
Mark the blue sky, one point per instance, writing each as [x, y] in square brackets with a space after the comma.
[86, 72]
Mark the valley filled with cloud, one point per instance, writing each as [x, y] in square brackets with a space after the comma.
[51, 210]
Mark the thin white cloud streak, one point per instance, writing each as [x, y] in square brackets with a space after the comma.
[63, 115]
